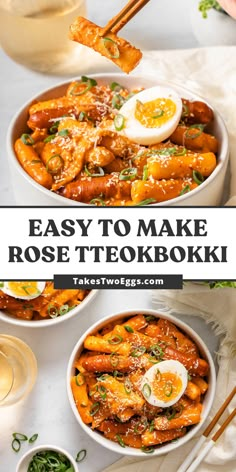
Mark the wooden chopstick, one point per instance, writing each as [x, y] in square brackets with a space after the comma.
[126, 14]
[194, 451]
[209, 445]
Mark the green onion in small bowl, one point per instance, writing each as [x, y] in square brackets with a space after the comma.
[54, 459]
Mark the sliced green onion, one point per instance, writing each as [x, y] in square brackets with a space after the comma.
[111, 47]
[145, 172]
[94, 201]
[102, 377]
[27, 139]
[128, 174]
[181, 153]
[82, 115]
[198, 177]
[103, 392]
[115, 339]
[93, 82]
[52, 311]
[157, 351]
[114, 359]
[138, 351]
[146, 390]
[128, 329]
[63, 310]
[151, 426]
[81, 455]
[119, 122]
[185, 111]
[147, 450]
[120, 440]
[140, 427]
[189, 377]
[117, 101]
[82, 92]
[94, 408]
[159, 114]
[146, 202]
[44, 461]
[118, 375]
[26, 287]
[49, 138]
[63, 132]
[189, 135]
[168, 389]
[128, 386]
[54, 127]
[115, 87]
[158, 375]
[99, 174]
[55, 157]
[186, 189]
[33, 438]
[153, 360]
[79, 379]
[20, 436]
[16, 445]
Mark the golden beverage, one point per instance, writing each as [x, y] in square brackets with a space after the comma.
[35, 33]
[18, 370]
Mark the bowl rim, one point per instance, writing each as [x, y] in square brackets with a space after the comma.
[49, 322]
[130, 451]
[222, 161]
[46, 447]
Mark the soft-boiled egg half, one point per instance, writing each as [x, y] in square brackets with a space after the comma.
[23, 290]
[152, 115]
[164, 383]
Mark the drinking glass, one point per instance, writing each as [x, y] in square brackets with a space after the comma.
[35, 33]
[18, 370]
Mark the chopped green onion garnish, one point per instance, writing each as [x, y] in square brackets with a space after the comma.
[44, 461]
[101, 202]
[16, 445]
[150, 318]
[189, 135]
[54, 127]
[119, 122]
[79, 379]
[157, 351]
[115, 87]
[33, 438]
[82, 115]
[146, 390]
[49, 138]
[128, 386]
[168, 389]
[100, 172]
[93, 82]
[63, 310]
[103, 392]
[115, 339]
[117, 101]
[147, 450]
[120, 440]
[128, 174]
[186, 189]
[114, 360]
[146, 202]
[128, 329]
[181, 153]
[102, 377]
[111, 47]
[20, 436]
[27, 139]
[52, 311]
[94, 408]
[151, 426]
[158, 375]
[138, 351]
[90, 83]
[118, 375]
[56, 158]
[81, 455]
[198, 177]
[145, 172]
[140, 427]
[158, 114]
[185, 111]
[63, 132]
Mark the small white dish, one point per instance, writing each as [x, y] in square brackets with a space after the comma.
[24, 462]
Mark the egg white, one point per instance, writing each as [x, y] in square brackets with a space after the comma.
[40, 286]
[172, 366]
[138, 133]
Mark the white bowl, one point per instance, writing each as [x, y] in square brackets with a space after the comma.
[27, 190]
[52, 321]
[207, 402]
[23, 463]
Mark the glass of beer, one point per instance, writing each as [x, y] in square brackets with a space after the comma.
[35, 33]
[18, 370]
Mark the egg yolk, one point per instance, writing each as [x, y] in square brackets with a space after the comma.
[155, 113]
[166, 386]
[23, 288]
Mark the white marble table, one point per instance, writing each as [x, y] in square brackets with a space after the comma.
[47, 411]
